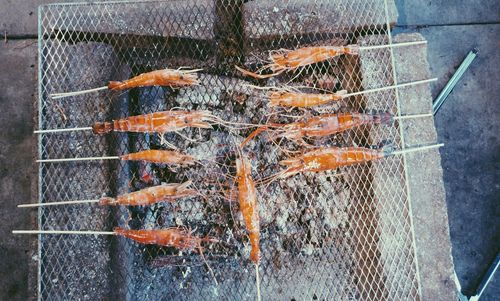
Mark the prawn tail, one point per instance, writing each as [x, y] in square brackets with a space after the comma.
[386, 147]
[351, 49]
[382, 118]
[102, 127]
[107, 201]
[114, 85]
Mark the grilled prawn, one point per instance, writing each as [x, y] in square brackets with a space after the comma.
[321, 125]
[160, 157]
[247, 195]
[174, 78]
[158, 122]
[152, 195]
[287, 60]
[303, 100]
[163, 77]
[178, 238]
[326, 158]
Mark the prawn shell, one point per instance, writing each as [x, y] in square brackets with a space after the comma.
[328, 124]
[152, 195]
[163, 122]
[247, 195]
[160, 157]
[171, 237]
[163, 77]
[303, 100]
[323, 159]
[292, 59]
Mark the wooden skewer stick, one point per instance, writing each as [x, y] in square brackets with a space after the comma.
[57, 203]
[74, 93]
[416, 149]
[116, 157]
[66, 94]
[343, 96]
[87, 128]
[393, 45]
[83, 232]
[418, 82]
[78, 159]
[257, 281]
[412, 116]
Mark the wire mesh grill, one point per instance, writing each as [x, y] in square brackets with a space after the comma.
[342, 235]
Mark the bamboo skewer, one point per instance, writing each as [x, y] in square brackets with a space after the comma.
[66, 94]
[75, 93]
[257, 281]
[117, 157]
[392, 45]
[78, 159]
[57, 203]
[343, 96]
[70, 232]
[416, 149]
[392, 153]
[109, 87]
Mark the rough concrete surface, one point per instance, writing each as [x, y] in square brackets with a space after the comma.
[470, 158]
[425, 177]
[17, 170]
[444, 12]
[468, 124]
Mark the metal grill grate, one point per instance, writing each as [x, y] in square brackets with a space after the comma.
[344, 235]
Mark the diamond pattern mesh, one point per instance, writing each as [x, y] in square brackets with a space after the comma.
[340, 235]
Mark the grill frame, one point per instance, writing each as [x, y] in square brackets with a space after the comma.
[42, 122]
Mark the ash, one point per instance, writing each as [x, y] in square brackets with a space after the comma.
[301, 217]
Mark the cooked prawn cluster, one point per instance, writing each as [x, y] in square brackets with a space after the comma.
[307, 127]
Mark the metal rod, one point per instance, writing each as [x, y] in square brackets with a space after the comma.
[412, 116]
[416, 149]
[56, 203]
[393, 45]
[454, 80]
[88, 128]
[419, 82]
[487, 278]
[63, 232]
[67, 94]
[77, 159]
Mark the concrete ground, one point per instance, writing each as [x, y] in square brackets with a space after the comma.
[468, 124]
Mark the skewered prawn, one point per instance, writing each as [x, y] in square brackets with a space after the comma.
[330, 158]
[161, 157]
[247, 196]
[151, 195]
[303, 100]
[178, 238]
[163, 77]
[287, 60]
[322, 125]
[174, 78]
[158, 122]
